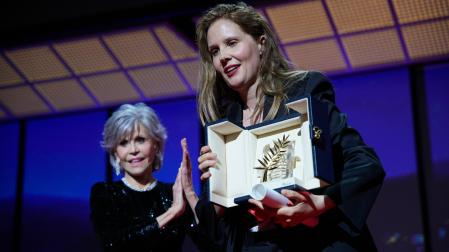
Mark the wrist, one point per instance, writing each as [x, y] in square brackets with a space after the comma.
[166, 217]
[190, 193]
[191, 198]
[173, 212]
[329, 203]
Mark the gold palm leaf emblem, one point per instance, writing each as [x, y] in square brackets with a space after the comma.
[273, 156]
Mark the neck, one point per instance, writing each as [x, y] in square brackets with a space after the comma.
[250, 116]
[139, 181]
[249, 97]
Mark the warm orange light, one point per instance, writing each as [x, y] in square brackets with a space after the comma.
[158, 81]
[85, 56]
[65, 94]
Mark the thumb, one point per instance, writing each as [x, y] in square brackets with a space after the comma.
[185, 150]
[185, 155]
[178, 175]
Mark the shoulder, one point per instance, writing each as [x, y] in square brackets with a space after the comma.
[310, 83]
[315, 76]
[306, 77]
[99, 187]
[103, 189]
[165, 187]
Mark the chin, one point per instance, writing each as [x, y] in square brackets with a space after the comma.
[137, 171]
[234, 85]
[237, 83]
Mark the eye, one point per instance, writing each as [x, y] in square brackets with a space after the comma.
[124, 142]
[213, 52]
[140, 139]
[232, 43]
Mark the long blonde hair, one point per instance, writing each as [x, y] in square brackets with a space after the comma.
[274, 71]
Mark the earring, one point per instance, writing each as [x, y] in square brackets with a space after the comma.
[117, 166]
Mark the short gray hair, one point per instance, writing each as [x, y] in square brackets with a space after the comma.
[123, 122]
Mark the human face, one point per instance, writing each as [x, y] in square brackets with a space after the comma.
[235, 54]
[136, 153]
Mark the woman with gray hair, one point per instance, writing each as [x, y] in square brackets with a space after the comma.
[138, 212]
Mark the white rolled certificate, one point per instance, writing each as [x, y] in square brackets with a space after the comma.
[268, 196]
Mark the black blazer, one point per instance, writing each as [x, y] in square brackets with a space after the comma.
[358, 174]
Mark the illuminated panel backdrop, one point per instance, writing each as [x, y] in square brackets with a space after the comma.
[63, 159]
[379, 107]
[437, 89]
[9, 145]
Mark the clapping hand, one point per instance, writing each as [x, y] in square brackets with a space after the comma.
[178, 205]
[186, 178]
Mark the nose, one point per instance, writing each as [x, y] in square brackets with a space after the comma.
[133, 148]
[224, 58]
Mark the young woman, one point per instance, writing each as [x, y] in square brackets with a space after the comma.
[245, 78]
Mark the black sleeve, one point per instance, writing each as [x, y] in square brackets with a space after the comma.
[359, 173]
[223, 232]
[114, 232]
[210, 226]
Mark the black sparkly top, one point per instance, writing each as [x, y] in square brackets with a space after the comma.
[125, 219]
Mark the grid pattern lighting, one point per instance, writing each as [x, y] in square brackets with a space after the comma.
[155, 61]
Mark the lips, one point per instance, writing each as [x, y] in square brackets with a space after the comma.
[231, 69]
[135, 161]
